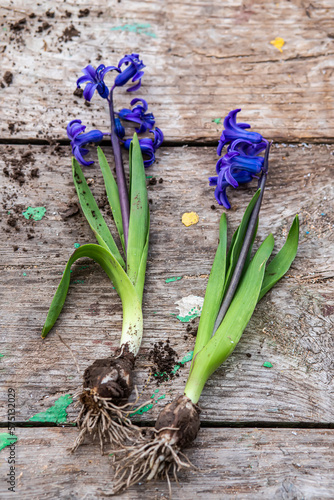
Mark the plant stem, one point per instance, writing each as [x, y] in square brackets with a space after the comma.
[120, 175]
[244, 249]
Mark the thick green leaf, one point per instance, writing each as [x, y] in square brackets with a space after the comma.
[112, 193]
[235, 321]
[139, 213]
[132, 315]
[93, 214]
[238, 239]
[214, 290]
[283, 260]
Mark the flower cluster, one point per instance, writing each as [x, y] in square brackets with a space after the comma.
[241, 163]
[130, 67]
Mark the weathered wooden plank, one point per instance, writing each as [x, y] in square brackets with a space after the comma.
[233, 463]
[291, 327]
[203, 58]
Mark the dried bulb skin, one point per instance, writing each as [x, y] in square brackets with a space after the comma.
[111, 377]
[184, 416]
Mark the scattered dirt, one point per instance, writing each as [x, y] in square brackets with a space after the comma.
[165, 359]
[153, 181]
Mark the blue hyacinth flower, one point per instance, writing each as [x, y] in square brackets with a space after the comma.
[132, 71]
[247, 148]
[233, 162]
[241, 177]
[233, 131]
[95, 81]
[119, 129]
[138, 115]
[75, 132]
[148, 146]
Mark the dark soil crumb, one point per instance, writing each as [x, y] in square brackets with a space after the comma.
[50, 14]
[68, 14]
[11, 221]
[213, 207]
[161, 180]
[83, 13]
[88, 104]
[19, 25]
[78, 92]
[8, 77]
[69, 33]
[192, 329]
[34, 173]
[15, 248]
[32, 15]
[45, 25]
[153, 181]
[73, 209]
[164, 358]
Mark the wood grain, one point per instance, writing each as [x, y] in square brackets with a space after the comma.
[291, 327]
[252, 463]
[203, 59]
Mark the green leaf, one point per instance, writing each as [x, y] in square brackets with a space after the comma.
[142, 266]
[93, 214]
[283, 260]
[214, 290]
[112, 193]
[238, 239]
[139, 213]
[235, 321]
[132, 314]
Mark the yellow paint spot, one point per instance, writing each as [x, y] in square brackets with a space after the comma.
[278, 43]
[190, 218]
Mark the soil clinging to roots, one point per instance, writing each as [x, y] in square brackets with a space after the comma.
[159, 453]
[104, 412]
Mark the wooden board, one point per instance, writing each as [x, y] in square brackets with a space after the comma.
[234, 464]
[203, 59]
[291, 327]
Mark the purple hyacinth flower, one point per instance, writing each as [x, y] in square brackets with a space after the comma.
[148, 146]
[75, 132]
[119, 129]
[233, 162]
[233, 130]
[221, 184]
[95, 81]
[247, 148]
[132, 71]
[138, 115]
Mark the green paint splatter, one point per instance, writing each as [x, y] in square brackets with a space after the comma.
[174, 278]
[36, 213]
[24, 274]
[266, 364]
[8, 213]
[7, 440]
[217, 120]
[185, 359]
[149, 176]
[142, 410]
[2, 355]
[76, 245]
[161, 397]
[75, 282]
[189, 317]
[139, 28]
[56, 414]
[84, 267]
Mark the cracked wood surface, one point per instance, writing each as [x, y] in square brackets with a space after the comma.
[291, 327]
[280, 464]
[203, 59]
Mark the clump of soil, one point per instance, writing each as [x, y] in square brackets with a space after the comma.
[8, 77]
[165, 359]
[69, 33]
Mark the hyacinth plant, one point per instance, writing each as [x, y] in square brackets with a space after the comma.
[236, 284]
[108, 382]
